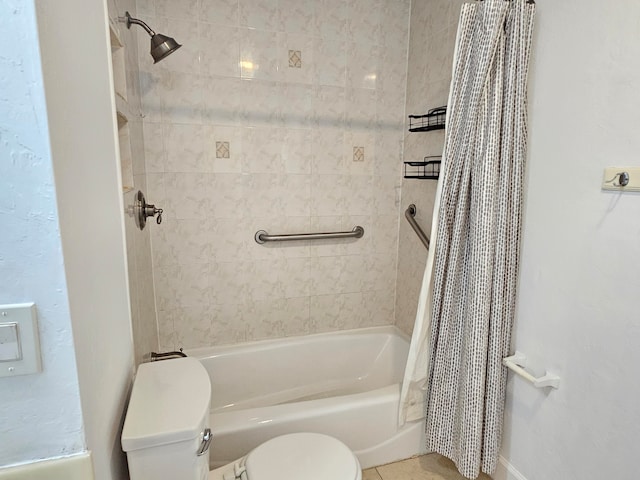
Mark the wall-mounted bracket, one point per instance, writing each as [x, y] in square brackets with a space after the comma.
[517, 362]
[621, 179]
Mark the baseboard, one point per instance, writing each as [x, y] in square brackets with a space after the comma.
[506, 471]
[75, 467]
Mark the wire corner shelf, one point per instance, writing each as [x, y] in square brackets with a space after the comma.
[434, 119]
[428, 169]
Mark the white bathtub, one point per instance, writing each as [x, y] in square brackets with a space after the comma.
[344, 384]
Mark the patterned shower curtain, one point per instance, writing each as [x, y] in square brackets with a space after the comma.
[475, 264]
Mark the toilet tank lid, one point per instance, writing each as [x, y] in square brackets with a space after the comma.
[169, 403]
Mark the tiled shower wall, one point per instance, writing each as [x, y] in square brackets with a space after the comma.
[143, 311]
[282, 115]
[432, 41]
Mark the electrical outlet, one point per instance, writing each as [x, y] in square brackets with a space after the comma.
[621, 179]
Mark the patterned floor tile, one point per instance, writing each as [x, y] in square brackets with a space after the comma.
[370, 474]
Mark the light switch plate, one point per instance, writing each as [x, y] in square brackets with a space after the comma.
[22, 317]
[10, 350]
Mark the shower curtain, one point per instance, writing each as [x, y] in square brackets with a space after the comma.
[467, 301]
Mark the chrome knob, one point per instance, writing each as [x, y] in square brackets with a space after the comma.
[142, 210]
[206, 442]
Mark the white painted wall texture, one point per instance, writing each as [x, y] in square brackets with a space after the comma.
[579, 303]
[74, 40]
[40, 415]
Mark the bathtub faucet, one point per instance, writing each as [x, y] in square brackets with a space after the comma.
[166, 356]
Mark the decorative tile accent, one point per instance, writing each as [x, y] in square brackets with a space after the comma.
[295, 59]
[358, 154]
[222, 150]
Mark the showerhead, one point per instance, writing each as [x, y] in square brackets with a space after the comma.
[161, 45]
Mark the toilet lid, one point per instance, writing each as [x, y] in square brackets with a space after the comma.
[302, 456]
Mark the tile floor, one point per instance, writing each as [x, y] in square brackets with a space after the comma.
[426, 467]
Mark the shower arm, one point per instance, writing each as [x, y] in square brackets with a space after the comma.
[129, 20]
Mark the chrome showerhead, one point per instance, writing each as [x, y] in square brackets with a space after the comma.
[161, 45]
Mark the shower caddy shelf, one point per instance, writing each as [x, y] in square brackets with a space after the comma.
[434, 119]
[429, 168]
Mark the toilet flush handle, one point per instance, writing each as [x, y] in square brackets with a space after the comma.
[206, 442]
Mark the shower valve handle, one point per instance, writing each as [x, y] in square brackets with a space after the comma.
[142, 210]
[152, 211]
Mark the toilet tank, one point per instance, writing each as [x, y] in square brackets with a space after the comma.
[165, 429]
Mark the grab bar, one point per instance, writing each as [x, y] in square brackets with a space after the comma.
[410, 214]
[263, 237]
[516, 364]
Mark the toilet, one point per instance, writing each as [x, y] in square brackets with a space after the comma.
[167, 435]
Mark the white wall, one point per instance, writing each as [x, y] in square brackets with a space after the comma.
[74, 39]
[579, 301]
[40, 415]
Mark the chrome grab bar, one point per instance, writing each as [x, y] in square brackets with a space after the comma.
[263, 237]
[410, 214]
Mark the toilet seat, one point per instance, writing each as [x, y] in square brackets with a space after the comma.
[303, 456]
[164, 430]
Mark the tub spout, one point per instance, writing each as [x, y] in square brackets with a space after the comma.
[167, 355]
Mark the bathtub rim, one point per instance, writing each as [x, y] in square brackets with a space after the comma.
[214, 350]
